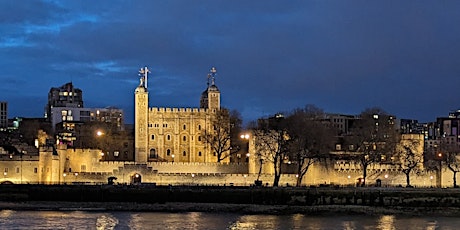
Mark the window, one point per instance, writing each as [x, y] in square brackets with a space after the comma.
[199, 138]
[199, 154]
[184, 138]
[153, 153]
[153, 137]
[184, 153]
[168, 152]
[168, 137]
[35, 170]
[185, 127]
[83, 168]
[199, 127]
[17, 170]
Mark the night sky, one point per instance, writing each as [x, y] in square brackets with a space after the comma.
[271, 56]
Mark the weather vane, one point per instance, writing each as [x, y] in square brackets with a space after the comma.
[212, 75]
[143, 72]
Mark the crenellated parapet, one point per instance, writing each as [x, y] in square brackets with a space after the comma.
[178, 110]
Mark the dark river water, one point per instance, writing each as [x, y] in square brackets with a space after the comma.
[198, 220]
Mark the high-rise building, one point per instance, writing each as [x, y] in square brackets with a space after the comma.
[3, 115]
[64, 96]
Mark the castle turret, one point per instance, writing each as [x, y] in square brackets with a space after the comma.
[141, 108]
[210, 98]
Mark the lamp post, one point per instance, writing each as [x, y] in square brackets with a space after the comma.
[64, 175]
[245, 138]
[439, 172]
[172, 156]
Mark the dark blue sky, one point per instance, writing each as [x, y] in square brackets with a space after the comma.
[271, 56]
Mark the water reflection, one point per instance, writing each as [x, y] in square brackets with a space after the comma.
[106, 222]
[198, 220]
[386, 222]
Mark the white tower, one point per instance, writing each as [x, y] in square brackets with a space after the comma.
[141, 108]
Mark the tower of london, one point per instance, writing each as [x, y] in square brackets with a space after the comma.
[174, 134]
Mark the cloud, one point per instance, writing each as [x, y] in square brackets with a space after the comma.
[273, 56]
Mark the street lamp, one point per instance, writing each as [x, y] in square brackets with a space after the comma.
[172, 158]
[64, 175]
[439, 180]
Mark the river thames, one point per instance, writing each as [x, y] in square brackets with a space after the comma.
[203, 220]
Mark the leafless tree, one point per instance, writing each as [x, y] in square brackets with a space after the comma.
[311, 139]
[225, 128]
[409, 156]
[449, 152]
[374, 137]
[272, 142]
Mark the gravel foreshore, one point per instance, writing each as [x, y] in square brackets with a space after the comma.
[226, 208]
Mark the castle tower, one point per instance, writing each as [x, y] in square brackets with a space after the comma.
[210, 98]
[141, 108]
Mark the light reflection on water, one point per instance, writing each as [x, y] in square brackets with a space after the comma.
[197, 220]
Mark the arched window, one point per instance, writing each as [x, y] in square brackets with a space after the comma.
[184, 138]
[199, 154]
[153, 153]
[199, 127]
[185, 127]
[168, 152]
[168, 137]
[199, 138]
[153, 137]
[184, 153]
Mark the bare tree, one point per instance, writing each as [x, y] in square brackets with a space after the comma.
[311, 139]
[225, 127]
[450, 153]
[374, 137]
[272, 142]
[410, 155]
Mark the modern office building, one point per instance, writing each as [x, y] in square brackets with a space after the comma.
[65, 96]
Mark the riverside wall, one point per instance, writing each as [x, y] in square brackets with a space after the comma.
[434, 199]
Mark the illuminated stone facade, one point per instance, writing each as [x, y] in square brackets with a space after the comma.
[174, 134]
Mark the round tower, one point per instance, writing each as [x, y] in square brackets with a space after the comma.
[141, 108]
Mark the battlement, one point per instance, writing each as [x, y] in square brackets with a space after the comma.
[19, 158]
[177, 110]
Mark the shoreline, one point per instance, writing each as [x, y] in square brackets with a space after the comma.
[249, 209]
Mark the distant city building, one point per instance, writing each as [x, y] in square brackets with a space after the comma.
[341, 122]
[408, 126]
[71, 114]
[64, 96]
[3, 115]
